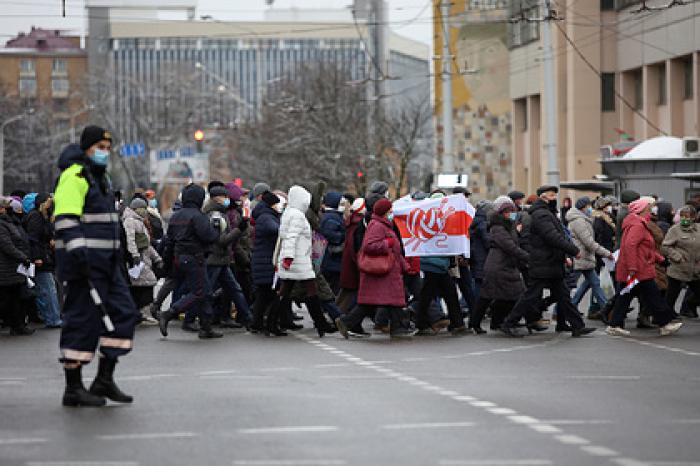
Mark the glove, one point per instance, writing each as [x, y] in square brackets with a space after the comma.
[26, 262]
[243, 225]
[390, 242]
[287, 262]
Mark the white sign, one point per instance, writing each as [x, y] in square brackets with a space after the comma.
[452, 181]
[182, 165]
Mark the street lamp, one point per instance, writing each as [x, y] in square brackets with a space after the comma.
[2, 145]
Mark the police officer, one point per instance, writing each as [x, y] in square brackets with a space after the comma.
[193, 235]
[88, 255]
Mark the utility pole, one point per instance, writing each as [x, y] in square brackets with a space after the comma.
[446, 61]
[550, 107]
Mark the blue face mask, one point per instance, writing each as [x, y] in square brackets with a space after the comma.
[513, 216]
[100, 157]
[589, 211]
[390, 217]
[227, 202]
[153, 203]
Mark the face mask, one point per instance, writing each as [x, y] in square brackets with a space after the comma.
[686, 222]
[390, 216]
[589, 211]
[153, 203]
[655, 210]
[100, 157]
[279, 208]
[552, 205]
[609, 210]
[341, 208]
[513, 216]
[227, 202]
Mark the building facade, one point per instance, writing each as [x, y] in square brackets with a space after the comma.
[640, 78]
[481, 115]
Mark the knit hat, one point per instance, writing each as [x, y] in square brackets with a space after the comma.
[382, 206]
[92, 135]
[531, 199]
[484, 204]
[503, 203]
[235, 192]
[546, 188]
[40, 199]
[515, 195]
[259, 189]
[639, 205]
[582, 202]
[419, 196]
[5, 202]
[602, 202]
[217, 191]
[138, 203]
[332, 199]
[379, 187]
[358, 205]
[628, 196]
[270, 198]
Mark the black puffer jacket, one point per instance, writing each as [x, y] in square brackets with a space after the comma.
[502, 279]
[14, 249]
[548, 243]
[479, 243]
[40, 235]
[267, 225]
[189, 228]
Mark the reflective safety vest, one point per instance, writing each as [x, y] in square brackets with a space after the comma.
[86, 223]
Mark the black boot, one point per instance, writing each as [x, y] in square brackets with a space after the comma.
[206, 331]
[313, 304]
[75, 394]
[273, 326]
[164, 319]
[104, 385]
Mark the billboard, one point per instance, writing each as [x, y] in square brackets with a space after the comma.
[179, 165]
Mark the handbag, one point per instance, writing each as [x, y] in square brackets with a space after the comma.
[375, 265]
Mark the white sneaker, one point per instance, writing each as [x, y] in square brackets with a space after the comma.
[670, 328]
[617, 331]
[148, 320]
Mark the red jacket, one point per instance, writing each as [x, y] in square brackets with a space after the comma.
[349, 273]
[638, 255]
[384, 290]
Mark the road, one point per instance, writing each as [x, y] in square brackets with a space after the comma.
[475, 400]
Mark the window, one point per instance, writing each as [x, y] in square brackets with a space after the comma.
[688, 77]
[59, 66]
[661, 70]
[27, 87]
[59, 86]
[638, 90]
[607, 84]
[607, 5]
[26, 66]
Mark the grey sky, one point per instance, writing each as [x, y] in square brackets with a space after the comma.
[411, 18]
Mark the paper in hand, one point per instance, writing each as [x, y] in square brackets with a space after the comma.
[136, 270]
[26, 271]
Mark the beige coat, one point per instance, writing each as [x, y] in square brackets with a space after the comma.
[682, 247]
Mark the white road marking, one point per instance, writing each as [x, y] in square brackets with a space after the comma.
[577, 422]
[629, 462]
[463, 398]
[328, 366]
[217, 372]
[495, 462]
[427, 425]
[287, 429]
[596, 450]
[278, 369]
[238, 376]
[81, 463]
[672, 349]
[604, 377]
[523, 420]
[12, 383]
[482, 404]
[449, 393]
[544, 428]
[289, 462]
[502, 411]
[572, 439]
[148, 436]
[22, 441]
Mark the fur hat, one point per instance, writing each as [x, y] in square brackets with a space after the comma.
[382, 206]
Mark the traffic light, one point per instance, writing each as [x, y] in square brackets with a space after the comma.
[199, 140]
[360, 174]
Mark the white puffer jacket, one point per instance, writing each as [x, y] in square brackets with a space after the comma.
[295, 237]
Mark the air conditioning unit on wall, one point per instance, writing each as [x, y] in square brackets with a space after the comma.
[691, 147]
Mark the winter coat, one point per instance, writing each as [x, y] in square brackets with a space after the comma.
[479, 242]
[220, 252]
[502, 279]
[333, 229]
[524, 236]
[40, 233]
[435, 264]
[135, 228]
[622, 214]
[267, 225]
[14, 249]
[189, 228]
[156, 222]
[682, 247]
[604, 230]
[661, 277]
[349, 273]
[638, 254]
[295, 237]
[548, 243]
[382, 290]
[583, 235]
[664, 216]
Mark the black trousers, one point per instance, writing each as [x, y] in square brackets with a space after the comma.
[13, 307]
[434, 285]
[529, 300]
[649, 295]
[499, 310]
[265, 299]
[674, 289]
[313, 303]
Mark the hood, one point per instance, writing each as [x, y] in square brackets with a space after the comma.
[539, 204]
[28, 202]
[299, 198]
[665, 212]
[129, 213]
[70, 155]
[193, 196]
[379, 187]
[497, 219]
[261, 208]
[332, 199]
[234, 191]
[354, 219]
[632, 220]
[211, 206]
[574, 214]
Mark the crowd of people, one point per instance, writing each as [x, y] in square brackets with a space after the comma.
[235, 258]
